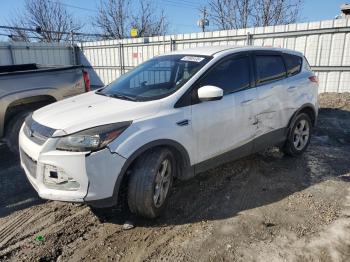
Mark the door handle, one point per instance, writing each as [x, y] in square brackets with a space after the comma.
[248, 101]
[184, 122]
[291, 88]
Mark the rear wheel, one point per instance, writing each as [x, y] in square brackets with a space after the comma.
[12, 131]
[150, 182]
[299, 136]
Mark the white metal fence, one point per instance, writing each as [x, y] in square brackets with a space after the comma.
[41, 53]
[326, 44]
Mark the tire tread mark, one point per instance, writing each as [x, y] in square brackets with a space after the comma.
[18, 221]
[10, 229]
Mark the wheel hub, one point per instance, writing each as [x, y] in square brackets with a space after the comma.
[162, 183]
[301, 134]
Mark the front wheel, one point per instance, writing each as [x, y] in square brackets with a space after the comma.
[299, 136]
[150, 182]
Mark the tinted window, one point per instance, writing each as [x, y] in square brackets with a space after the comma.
[269, 68]
[293, 64]
[230, 75]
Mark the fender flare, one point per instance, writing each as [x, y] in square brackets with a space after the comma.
[8, 99]
[296, 113]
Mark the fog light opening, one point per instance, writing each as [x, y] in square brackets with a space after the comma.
[57, 178]
[53, 174]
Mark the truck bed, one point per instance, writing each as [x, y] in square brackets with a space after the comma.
[32, 68]
[27, 87]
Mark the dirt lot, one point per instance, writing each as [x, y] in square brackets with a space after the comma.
[267, 207]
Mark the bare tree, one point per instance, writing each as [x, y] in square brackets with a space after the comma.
[114, 18]
[244, 9]
[230, 14]
[50, 19]
[234, 14]
[147, 22]
[275, 12]
[18, 34]
[222, 14]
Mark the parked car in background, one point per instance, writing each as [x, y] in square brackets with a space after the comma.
[27, 87]
[172, 117]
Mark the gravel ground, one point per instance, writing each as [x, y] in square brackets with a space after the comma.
[266, 207]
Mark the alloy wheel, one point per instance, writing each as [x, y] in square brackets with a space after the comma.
[301, 134]
[162, 183]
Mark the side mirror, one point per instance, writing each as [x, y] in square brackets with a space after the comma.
[210, 93]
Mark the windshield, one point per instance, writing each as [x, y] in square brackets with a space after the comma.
[156, 78]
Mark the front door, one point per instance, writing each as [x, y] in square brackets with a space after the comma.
[223, 125]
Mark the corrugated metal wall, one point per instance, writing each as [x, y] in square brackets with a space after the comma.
[326, 45]
[41, 53]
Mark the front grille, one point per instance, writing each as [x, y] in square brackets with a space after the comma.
[37, 132]
[29, 163]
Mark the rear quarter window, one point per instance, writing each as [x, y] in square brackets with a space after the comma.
[306, 64]
[293, 64]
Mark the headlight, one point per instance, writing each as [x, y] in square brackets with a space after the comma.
[91, 139]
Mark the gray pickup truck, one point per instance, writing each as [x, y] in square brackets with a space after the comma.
[27, 87]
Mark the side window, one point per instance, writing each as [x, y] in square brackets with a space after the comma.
[269, 68]
[293, 64]
[306, 64]
[230, 75]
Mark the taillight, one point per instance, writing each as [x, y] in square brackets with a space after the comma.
[86, 80]
[313, 79]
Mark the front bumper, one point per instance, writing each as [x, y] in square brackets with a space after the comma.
[93, 174]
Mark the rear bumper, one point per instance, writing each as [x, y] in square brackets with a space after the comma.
[78, 176]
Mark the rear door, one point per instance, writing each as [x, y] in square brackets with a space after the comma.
[223, 125]
[270, 75]
[295, 87]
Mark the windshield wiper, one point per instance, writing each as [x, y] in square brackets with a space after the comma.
[99, 92]
[125, 97]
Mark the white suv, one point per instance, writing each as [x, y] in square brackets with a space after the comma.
[171, 117]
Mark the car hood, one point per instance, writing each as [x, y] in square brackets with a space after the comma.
[90, 110]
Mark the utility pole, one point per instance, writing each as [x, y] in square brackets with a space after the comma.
[202, 23]
[204, 18]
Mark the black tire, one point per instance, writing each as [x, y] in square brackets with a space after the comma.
[12, 131]
[290, 147]
[142, 187]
